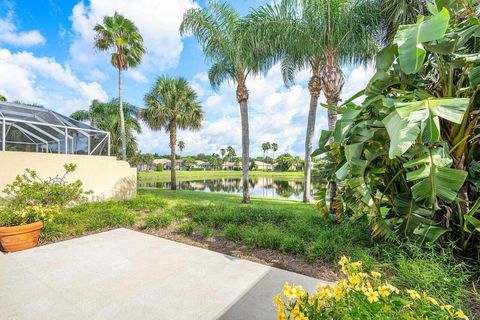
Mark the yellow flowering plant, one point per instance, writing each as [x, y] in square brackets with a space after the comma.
[21, 216]
[360, 295]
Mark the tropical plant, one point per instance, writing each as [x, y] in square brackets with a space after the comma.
[274, 149]
[265, 147]
[222, 152]
[395, 13]
[226, 44]
[171, 105]
[361, 295]
[284, 162]
[230, 153]
[407, 156]
[105, 116]
[2, 98]
[320, 36]
[121, 36]
[189, 163]
[181, 145]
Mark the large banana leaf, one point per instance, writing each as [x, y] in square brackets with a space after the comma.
[427, 112]
[409, 39]
[411, 215]
[433, 176]
[402, 132]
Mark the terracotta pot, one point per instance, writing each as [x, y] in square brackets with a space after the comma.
[20, 237]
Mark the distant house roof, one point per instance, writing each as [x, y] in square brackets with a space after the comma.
[200, 162]
[261, 164]
[162, 161]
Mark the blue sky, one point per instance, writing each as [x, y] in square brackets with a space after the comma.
[47, 57]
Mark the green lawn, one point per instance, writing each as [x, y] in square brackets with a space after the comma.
[164, 176]
[285, 226]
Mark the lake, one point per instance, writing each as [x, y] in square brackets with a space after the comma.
[259, 186]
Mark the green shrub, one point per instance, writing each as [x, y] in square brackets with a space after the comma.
[109, 218]
[29, 189]
[292, 244]
[148, 203]
[207, 232]
[232, 232]
[159, 167]
[186, 228]
[157, 221]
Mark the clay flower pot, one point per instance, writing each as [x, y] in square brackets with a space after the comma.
[20, 237]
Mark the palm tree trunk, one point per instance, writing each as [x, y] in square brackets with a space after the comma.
[122, 116]
[314, 86]
[242, 98]
[332, 83]
[173, 145]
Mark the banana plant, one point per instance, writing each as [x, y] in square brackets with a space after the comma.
[406, 155]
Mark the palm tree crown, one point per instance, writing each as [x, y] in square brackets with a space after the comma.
[172, 104]
[121, 36]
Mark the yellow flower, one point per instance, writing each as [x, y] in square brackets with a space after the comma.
[383, 291]
[299, 293]
[339, 292]
[431, 300]
[392, 288]
[301, 316]
[447, 308]
[289, 292]
[355, 279]
[344, 261]
[372, 296]
[459, 314]
[277, 301]
[376, 274]
[325, 292]
[413, 294]
[356, 265]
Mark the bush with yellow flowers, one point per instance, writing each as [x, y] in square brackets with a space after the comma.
[21, 216]
[360, 295]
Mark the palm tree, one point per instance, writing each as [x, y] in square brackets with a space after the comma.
[122, 37]
[274, 149]
[225, 43]
[171, 105]
[265, 148]
[397, 12]
[181, 145]
[320, 36]
[230, 153]
[105, 116]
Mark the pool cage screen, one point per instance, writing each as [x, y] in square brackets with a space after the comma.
[36, 129]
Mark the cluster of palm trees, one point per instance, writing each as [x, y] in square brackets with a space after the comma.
[318, 35]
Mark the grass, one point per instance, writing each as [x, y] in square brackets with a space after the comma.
[286, 226]
[164, 176]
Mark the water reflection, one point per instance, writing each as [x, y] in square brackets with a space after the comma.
[259, 186]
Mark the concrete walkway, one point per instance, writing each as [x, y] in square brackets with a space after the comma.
[123, 274]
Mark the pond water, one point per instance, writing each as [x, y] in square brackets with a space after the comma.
[259, 186]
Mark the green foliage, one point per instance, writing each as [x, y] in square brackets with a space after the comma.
[31, 199]
[186, 228]
[159, 167]
[405, 157]
[148, 203]
[157, 221]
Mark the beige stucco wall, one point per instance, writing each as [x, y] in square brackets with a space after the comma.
[107, 177]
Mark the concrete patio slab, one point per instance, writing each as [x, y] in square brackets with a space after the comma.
[124, 274]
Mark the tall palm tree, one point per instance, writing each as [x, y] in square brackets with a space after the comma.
[274, 149]
[105, 116]
[171, 105]
[221, 33]
[181, 145]
[121, 36]
[319, 35]
[231, 153]
[397, 12]
[265, 147]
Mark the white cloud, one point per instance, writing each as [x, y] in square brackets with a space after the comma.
[30, 79]
[157, 21]
[137, 76]
[11, 36]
